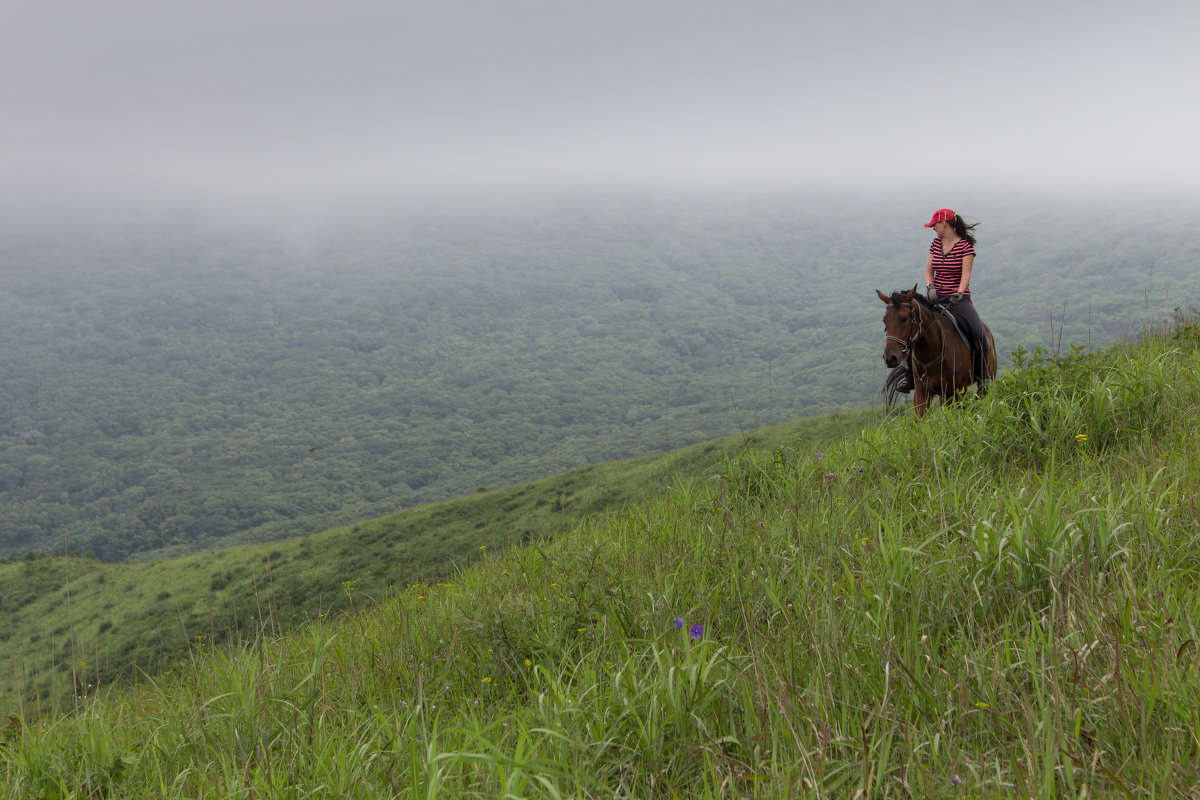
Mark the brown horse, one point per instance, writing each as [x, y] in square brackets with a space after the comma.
[922, 337]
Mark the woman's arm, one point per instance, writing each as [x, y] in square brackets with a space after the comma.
[929, 270]
[965, 281]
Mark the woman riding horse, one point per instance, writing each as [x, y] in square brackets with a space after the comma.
[948, 277]
[922, 340]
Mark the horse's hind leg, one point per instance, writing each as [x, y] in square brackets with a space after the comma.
[983, 379]
[990, 364]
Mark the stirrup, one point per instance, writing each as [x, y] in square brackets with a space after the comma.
[900, 380]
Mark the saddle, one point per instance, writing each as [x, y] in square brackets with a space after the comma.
[961, 326]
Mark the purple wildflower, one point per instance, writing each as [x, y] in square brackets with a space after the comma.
[696, 631]
[679, 623]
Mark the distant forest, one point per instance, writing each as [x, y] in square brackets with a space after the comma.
[173, 383]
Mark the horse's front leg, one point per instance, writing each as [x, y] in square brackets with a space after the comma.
[920, 399]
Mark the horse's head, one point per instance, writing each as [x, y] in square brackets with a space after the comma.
[901, 321]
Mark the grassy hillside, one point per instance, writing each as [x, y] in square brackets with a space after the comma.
[112, 622]
[998, 600]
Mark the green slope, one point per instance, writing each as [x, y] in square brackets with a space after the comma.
[998, 600]
[71, 624]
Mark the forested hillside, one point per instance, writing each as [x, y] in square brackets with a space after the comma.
[177, 383]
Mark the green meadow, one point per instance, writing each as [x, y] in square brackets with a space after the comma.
[999, 600]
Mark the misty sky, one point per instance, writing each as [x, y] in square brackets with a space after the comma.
[311, 96]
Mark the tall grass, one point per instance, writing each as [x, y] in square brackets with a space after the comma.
[998, 600]
[111, 623]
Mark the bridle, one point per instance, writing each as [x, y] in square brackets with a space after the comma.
[919, 370]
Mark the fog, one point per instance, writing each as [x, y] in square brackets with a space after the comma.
[294, 99]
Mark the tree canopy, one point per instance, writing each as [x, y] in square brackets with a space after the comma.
[171, 385]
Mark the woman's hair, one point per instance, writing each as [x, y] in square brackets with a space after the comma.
[964, 230]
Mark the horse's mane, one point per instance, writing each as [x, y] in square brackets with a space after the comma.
[918, 298]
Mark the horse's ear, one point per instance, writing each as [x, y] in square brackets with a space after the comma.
[910, 293]
[883, 297]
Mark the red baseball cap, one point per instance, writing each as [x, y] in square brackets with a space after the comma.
[941, 215]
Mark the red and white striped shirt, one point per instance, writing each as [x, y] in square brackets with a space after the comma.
[948, 267]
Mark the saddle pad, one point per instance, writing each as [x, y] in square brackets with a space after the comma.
[960, 325]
